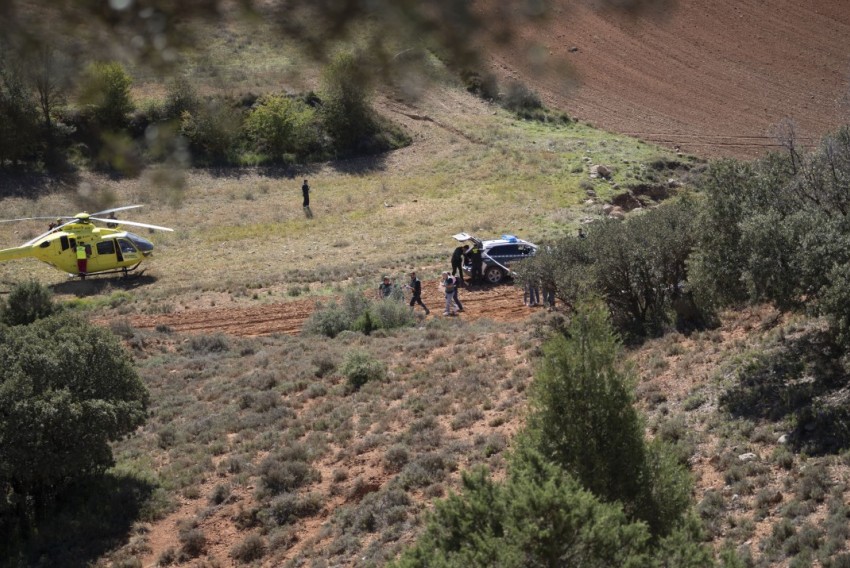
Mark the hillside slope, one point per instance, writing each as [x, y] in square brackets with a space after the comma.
[713, 78]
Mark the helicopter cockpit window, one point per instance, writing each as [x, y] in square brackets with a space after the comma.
[126, 246]
[106, 247]
[141, 243]
[45, 244]
[63, 240]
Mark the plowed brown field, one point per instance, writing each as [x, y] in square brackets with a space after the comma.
[711, 77]
[499, 303]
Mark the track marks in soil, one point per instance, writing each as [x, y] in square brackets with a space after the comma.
[498, 303]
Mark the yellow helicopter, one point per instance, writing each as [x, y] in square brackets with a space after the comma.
[79, 247]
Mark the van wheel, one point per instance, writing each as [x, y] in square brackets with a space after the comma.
[494, 274]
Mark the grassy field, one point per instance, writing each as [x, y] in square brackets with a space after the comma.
[472, 167]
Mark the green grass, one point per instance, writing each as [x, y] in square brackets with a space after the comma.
[497, 175]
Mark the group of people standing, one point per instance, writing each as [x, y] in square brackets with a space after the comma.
[448, 283]
[531, 294]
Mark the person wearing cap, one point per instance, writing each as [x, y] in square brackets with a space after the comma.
[416, 286]
[385, 288]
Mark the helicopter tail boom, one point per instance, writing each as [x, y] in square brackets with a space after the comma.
[15, 253]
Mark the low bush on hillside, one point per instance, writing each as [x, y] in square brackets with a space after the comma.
[515, 97]
[359, 367]
[358, 313]
[26, 303]
[638, 267]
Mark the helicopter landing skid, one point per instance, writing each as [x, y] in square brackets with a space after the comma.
[125, 272]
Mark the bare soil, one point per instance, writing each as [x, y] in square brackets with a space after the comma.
[710, 78]
[498, 303]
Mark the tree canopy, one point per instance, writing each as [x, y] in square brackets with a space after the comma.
[67, 388]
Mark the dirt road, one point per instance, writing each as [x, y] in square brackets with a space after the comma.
[499, 303]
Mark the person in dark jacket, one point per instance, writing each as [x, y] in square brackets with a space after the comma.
[457, 263]
[476, 261]
[416, 286]
[305, 191]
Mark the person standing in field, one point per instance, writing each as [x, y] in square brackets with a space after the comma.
[457, 263]
[385, 288]
[82, 260]
[531, 292]
[447, 282]
[305, 191]
[416, 287]
[477, 262]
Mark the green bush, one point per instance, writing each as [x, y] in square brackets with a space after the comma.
[520, 98]
[358, 313]
[217, 343]
[582, 417]
[346, 110]
[67, 389]
[106, 94]
[279, 126]
[539, 517]
[193, 542]
[484, 85]
[329, 320]
[213, 131]
[361, 367]
[281, 473]
[251, 549]
[579, 398]
[641, 267]
[19, 120]
[776, 230]
[181, 97]
[289, 507]
[638, 267]
[26, 303]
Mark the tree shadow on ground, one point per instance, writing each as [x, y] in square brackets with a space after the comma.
[98, 285]
[30, 185]
[362, 165]
[272, 171]
[800, 380]
[87, 519]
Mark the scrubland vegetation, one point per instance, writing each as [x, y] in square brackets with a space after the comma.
[331, 447]
[717, 436]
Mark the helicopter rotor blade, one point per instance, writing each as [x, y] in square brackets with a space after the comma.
[107, 211]
[53, 230]
[133, 223]
[53, 218]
